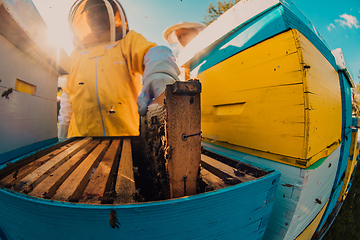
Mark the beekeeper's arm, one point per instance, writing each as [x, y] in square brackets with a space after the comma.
[160, 70]
[64, 113]
[155, 63]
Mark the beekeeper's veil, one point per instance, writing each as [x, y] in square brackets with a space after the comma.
[97, 21]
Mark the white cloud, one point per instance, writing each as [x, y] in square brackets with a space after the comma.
[331, 26]
[348, 20]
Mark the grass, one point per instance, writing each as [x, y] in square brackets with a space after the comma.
[347, 222]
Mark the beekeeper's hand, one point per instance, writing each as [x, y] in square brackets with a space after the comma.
[160, 70]
[153, 87]
[64, 115]
[63, 131]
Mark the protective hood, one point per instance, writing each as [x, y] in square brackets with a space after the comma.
[93, 22]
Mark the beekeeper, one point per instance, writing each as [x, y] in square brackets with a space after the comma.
[179, 35]
[182, 33]
[104, 94]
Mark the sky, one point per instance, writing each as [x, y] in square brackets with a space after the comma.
[338, 22]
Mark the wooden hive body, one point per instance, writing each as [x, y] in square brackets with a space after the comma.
[274, 100]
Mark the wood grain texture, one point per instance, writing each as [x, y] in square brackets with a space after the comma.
[222, 170]
[75, 184]
[125, 183]
[278, 97]
[23, 171]
[51, 183]
[101, 180]
[183, 132]
[11, 168]
[213, 182]
[30, 181]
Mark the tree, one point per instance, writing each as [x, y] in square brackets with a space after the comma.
[212, 13]
[356, 100]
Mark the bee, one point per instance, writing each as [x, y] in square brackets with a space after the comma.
[6, 93]
[231, 180]
[16, 174]
[239, 173]
[112, 110]
[114, 223]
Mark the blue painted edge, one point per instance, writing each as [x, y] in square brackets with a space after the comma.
[346, 106]
[273, 174]
[335, 211]
[291, 17]
[10, 155]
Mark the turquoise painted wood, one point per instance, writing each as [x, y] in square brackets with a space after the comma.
[238, 212]
[346, 138]
[282, 16]
[295, 201]
[7, 156]
[295, 204]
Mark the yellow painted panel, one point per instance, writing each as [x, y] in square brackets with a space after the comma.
[350, 166]
[259, 100]
[25, 87]
[229, 109]
[264, 121]
[311, 228]
[322, 99]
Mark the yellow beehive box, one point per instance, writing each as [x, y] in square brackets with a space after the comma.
[279, 100]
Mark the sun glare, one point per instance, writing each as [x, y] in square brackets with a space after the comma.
[54, 39]
[59, 40]
[54, 13]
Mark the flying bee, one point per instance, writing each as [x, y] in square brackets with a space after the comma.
[6, 93]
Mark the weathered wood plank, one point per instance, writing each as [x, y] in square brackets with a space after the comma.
[183, 132]
[31, 180]
[23, 171]
[12, 167]
[100, 182]
[125, 184]
[51, 183]
[224, 171]
[74, 185]
[213, 181]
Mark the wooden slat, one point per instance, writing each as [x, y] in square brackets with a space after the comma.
[74, 185]
[100, 182]
[213, 181]
[20, 173]
[125, 184]
[183, 132]
[222, 170]
[49, 185]
[11, 168]
[30, 181]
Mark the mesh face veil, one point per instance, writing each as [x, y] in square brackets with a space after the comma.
[97, 21]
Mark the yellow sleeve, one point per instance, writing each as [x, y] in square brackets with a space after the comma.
[134, 47]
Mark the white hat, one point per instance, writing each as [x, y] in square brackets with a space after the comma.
[169, 35]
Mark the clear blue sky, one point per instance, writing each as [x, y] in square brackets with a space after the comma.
[337, 21]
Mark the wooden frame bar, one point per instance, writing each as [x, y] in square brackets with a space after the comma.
[183, 132]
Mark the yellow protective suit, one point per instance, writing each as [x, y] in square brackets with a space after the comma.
[103, 86]
[101, 97]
